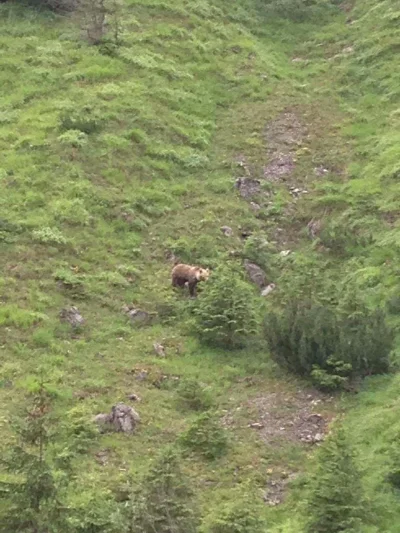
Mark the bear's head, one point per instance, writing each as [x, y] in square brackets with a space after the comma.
[202, 274]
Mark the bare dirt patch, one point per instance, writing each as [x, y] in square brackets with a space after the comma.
[291, 417]
[277, 487]
[284, 136]
[285, 417]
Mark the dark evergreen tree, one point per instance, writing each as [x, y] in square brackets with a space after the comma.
[336, 501]
[329, 344]
[32, 493]
[226, 314]
[164, 501]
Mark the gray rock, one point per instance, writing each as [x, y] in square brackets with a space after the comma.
[284, 253]
[136, 316]
[122, 419]
[314, 228]
[256, 425]
[268, 289]
[254, 206]
[134, 397]
[142, 375]
[255, 273]
[248, 187]
[159, 349]
[318, 437]
[72, 316]
[226, 230]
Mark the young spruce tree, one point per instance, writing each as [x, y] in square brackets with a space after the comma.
[163, 503]
[227, 311]
[31, 491]
[336, 499]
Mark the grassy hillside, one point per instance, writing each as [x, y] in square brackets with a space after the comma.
[112, 162]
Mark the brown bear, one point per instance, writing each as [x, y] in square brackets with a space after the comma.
[182, 274]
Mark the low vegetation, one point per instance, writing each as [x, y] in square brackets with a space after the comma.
[132, 133]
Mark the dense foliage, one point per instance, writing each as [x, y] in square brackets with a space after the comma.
[242, 513]
[121, 157]
[227, 311]
[327, 344]
[336, 502]
[164, 500]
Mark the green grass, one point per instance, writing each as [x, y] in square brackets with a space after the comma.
[110, 163]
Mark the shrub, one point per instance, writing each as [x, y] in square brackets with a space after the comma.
[193, 395]
[297, 10]
[71, 282]
[330, 346]
[336, 502]
[84, 119]
[206, 437]
[57, 5]
[74, 138]
[33, 492]
[241, 513]
[258, 250]
[48, 235]
[226, 314]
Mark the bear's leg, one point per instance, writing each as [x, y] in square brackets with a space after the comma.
[192, 288]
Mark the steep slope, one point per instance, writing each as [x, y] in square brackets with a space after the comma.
[113, 162]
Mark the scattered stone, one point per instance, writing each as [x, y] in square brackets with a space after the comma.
[254, 206]
[314, 227]
[122, 419]
[319, 437]
[248, 187]
[134, 397]
[268, 289]
[245, 234]
[298, 60]
[102, 457]
[348, 50]
[256, 425]
[171, 257]
[136, 316]
[159, 349]
[72, 316]
[255, 273]
[241, 162]
[226, 230]
[280, 166]
[142, 375]
[276, 488]
[284, 253]
[320, 171]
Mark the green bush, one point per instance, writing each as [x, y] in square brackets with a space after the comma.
[84, 119]
[206, 437]
[297, 10]
[243, 512]
[329, 345]
[336, 502]
[163, 503]
[193, 395]
[48, 235]
[226, 314]
[74, 138]
[260, 251]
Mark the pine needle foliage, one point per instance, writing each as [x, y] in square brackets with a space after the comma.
[33, 488]
[226, 314]
[164, 502]
[336, 498]
[330, 345]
